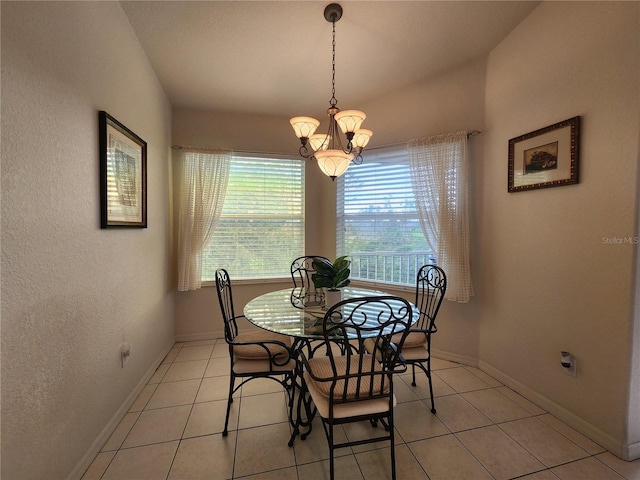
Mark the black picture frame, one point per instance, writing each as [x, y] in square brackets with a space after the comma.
[548, 157]
[123, 175]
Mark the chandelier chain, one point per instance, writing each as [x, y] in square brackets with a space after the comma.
[333, 100]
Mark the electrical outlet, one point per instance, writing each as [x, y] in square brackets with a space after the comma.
[125, 353]
[568, 363]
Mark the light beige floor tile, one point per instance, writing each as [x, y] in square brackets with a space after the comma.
[414, 421]
[446, 458]
[121, 432]
[188, 354]
[421, 390]
[165, 412]
[495, 406]
[258, 386]
[261, 449]
[546, 444]
[440, 364]
[151, 462]
[461, 380]
[573, 435]
[520, 400]
[543, 475]
[159, 425]
[345, 468]
[206, 458]
[315, 447]
[208, 418]
[173, 394]
[143, 398]
[260, 410]
[485, 377]
[290, 473]
[403, 391]
[376, 464]
[215, 388]
[173, 353]
[98, 466]
[218, 366]
[185, 371]
[502, 456]
[199, 343]
[159, 373]
[629, 470]
[440, 387]
[457, 414]
[587, 469]
[220, 349]
[357, 431]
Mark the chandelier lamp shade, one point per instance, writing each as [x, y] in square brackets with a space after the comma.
[333, 156]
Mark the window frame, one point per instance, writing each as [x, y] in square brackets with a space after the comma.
[398, 155]
[285, 274]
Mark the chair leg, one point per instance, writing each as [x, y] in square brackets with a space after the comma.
[232, 381]
[428, 372]
[413, 374]
[331, 456]
[393, 447]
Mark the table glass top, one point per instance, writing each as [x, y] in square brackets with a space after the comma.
[291, 312]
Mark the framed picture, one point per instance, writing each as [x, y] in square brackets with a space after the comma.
[545, 158]
[123, 175]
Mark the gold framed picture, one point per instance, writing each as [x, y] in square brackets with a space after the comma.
[544, 158]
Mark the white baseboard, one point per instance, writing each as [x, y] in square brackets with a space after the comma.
[631, 452]
[196, 337]
[96, 446]
[626, 452]
[454, 357]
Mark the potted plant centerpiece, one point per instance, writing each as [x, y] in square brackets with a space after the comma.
[332, 277]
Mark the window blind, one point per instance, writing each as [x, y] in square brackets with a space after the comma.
[261, 228]
[377, 222]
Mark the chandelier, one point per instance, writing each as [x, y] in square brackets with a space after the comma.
[327, 148]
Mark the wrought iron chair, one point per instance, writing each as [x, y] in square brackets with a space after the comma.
[351, 384]
[301, 271]
[255, 353]
[431, 285]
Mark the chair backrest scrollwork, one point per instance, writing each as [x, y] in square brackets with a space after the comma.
[431, 285]
[365, 323]
[225, 297]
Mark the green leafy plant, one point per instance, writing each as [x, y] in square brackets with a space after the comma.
[331, 275]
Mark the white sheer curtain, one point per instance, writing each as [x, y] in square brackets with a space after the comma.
[440, 182]
[203, 186]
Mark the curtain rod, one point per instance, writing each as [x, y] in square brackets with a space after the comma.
[244, 152]
[472, 133]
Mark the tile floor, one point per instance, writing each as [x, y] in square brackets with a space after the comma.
[483, 430]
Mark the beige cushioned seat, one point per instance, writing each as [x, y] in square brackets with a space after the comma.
[254, 358]
[319, 390]
[414, 339]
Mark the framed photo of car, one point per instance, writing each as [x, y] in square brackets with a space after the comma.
[544, 158]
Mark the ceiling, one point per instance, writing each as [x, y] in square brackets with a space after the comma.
[274, 57]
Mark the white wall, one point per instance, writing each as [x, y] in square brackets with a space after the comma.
[549, 281]
[71, 292]
[448, 102]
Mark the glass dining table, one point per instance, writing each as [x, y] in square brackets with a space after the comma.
[299, 314]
